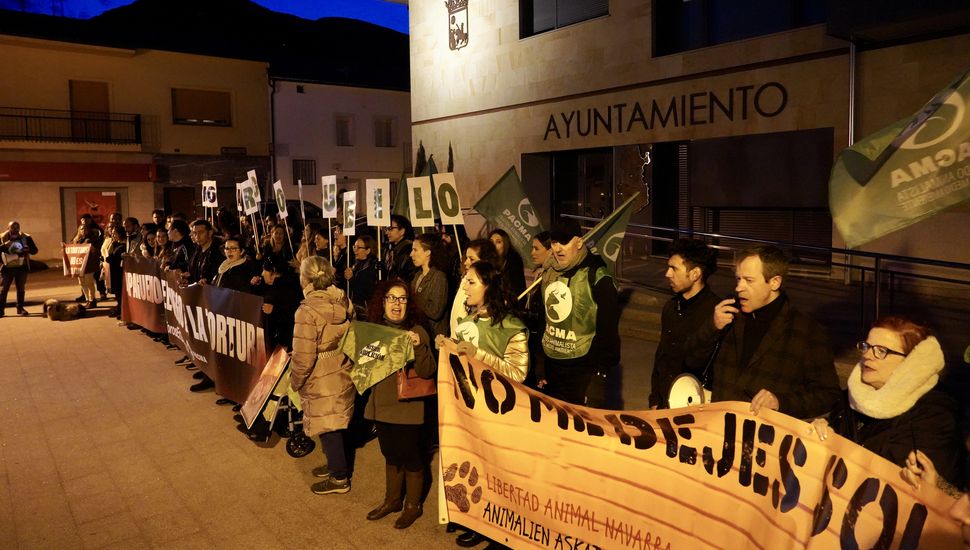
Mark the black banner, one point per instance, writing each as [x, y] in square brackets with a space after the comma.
[219, 329]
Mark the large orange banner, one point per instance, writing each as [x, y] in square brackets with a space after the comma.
[533, 472]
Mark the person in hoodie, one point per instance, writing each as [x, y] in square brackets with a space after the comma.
[581, 337]
[320, 372]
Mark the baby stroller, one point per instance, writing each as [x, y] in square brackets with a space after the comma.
[286, 418]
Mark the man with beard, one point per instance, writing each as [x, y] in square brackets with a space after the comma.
[691, 262]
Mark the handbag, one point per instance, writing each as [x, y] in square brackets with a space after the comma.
[412, 386]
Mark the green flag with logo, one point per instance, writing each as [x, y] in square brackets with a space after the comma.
[377, 351]
[905, 172]
[606, 239]
[401, 198]
[507, 207]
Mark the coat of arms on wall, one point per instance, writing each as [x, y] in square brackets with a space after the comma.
[457, 23]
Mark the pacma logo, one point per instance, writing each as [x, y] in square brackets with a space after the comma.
[457, 23]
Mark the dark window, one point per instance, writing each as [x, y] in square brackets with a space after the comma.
[299, 88]
[384, 131]
[539, 16]
[305, 171]
[345, 130]
[201, 107]
[682, 25]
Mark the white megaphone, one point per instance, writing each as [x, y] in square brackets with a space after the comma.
[687, 390]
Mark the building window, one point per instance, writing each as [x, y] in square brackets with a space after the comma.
[201, 107]
[345, 130]
[299, 88]
[305, 171]
[681, 26]
[539, 16]
[384, 132]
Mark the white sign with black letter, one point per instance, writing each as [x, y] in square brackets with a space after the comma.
[449, 206]
[421, 206]
[350, 213]
[210, 199]
[280, 199]
[378, 199]
[329, 188]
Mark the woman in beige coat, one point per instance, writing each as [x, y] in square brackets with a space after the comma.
[320, 372]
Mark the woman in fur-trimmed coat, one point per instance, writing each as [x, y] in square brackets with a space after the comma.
[320, 372]
[893, 406]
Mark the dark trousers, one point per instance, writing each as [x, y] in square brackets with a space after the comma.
[567, 382]
[17, 275]
[402, 445]
[333, 449]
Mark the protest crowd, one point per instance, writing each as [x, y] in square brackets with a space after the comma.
[444, 293]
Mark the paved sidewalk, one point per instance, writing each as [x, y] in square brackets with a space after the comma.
[103, 446]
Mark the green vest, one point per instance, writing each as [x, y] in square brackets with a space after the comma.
[491, 338]
[570, 314]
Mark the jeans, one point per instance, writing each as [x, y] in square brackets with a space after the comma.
[15, 275]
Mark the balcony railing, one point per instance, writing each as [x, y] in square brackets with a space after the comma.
[49, 125]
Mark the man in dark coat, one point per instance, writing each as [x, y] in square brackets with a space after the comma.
[400, 236]
[207, 257]
[771, 354]
[15, 251]
[691, 262]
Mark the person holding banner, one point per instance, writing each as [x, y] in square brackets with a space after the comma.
[114, 250]
[478, 250]
[579, 299]
[205, 261]
[182, 247]
[894, 405]
[511, 263]
[89, 233]
[163, 248]
[320, 372]
[491, 334]
[400, 423]
[771, 354]
[400, 235]
[237, 271]
[15, 251]
[430, 285]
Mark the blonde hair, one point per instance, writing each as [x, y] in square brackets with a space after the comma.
[317, 272]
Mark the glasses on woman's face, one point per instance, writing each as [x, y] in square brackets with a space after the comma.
[879, 352]
[228, 248]
[360, 247]
[395, 299]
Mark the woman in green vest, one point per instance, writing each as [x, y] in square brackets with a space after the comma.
[491, 333]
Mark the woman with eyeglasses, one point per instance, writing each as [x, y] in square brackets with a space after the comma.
[363, 274]
[893, 405]
[237, 271]
[401, 424]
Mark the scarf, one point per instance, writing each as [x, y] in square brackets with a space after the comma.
[229, 264]
[912, 379]
[552, 269]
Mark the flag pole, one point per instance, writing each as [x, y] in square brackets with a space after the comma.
[458, 242]
[380, 275]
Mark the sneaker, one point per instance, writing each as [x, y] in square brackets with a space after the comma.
[183, 360]
[80, 298]
[22, 311]
[321, 472]
[331, 486]
[199, 375]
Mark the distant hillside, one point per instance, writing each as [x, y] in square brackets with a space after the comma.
[329, 50]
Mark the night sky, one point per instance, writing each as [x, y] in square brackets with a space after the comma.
[387, 14]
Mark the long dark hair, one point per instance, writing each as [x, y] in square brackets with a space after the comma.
[375, 307]
[433, 243]
[498, 300]
[486, 251]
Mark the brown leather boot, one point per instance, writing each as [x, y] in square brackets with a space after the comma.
[413, 486]
[392, 493]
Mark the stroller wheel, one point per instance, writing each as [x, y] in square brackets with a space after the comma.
[299, 445]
